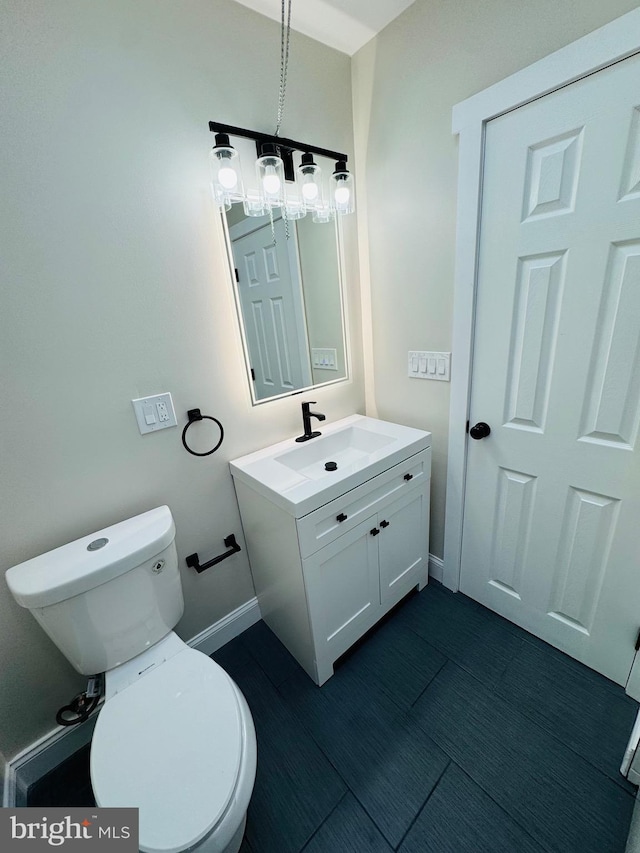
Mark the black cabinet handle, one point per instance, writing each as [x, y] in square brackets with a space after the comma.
[408, 477]
[384, 523]
[374, 531]
[341, 517]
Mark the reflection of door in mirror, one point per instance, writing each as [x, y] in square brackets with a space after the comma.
[271, 302]
[290, 302]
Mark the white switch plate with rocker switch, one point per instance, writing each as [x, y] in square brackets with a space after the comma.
[154, 413]
[325, 358]
[430, 365]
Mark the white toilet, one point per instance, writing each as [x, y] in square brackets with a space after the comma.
[175, 736]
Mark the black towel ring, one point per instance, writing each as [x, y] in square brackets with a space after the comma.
[195, 415]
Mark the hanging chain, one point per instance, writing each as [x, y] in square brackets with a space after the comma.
[273, 227]
[285, 33]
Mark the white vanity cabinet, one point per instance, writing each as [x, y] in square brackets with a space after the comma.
[323, 578]
[356, 579]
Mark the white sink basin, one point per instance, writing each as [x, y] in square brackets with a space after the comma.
[293, 475]
[348, 446]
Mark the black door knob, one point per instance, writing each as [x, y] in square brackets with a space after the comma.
[480, 430]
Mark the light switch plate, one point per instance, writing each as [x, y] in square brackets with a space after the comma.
[154, 413]
[429, 365]
[324, 358]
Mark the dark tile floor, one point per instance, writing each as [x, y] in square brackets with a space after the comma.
[447, 730]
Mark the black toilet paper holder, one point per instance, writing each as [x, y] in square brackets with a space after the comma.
[230, 542]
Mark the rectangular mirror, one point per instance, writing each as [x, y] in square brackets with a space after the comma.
[287, 280]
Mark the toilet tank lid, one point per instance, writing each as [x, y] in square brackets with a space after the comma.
[89, 562]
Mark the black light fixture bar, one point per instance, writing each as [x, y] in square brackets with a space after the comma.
[286, 145]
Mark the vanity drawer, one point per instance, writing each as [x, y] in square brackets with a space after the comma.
[330, 521]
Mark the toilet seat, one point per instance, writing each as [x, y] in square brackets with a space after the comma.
[170, 744]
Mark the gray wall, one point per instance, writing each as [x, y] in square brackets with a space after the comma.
[114, 285]
[406, 82]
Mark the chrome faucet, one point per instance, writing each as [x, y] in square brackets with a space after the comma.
[306, 420]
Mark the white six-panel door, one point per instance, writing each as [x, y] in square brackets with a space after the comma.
[551, 535]
[272, 308]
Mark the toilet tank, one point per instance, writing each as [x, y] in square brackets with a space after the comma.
[107, 597]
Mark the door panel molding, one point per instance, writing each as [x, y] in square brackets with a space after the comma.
[597, 50]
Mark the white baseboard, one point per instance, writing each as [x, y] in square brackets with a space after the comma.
[52, 749]
[40, 757]
[227, 628]
[436, 568]
[7, 785]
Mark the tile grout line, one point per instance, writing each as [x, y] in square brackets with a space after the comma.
[349, 790]
[371, 818]
[550, 731]
[491, 686]
[324, 820]
[545, 732]
[511, 817]
[428, 685]
[618, 783]
[428, 797]
[256, 661]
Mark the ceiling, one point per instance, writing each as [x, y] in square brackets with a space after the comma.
[343, 24]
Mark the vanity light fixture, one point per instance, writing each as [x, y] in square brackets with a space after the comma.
[277, 185]
[298, 190]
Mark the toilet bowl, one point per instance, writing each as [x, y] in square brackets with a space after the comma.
[175, 737]
[178, 743]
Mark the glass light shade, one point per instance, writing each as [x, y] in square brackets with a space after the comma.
[254, 205]
[343, 200]
[270, 171]
[226, 173]
[218, 198]
[310, 180]
[324, 213]
[294, 207]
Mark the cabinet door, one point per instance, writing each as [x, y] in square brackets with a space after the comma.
[404, 545]
[343, 591]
